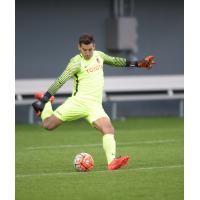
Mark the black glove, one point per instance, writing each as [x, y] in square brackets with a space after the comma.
[146, 63]
[38, 106]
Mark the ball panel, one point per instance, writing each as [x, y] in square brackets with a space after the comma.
[83, 162]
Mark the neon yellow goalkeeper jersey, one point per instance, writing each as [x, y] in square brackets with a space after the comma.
[87, 74]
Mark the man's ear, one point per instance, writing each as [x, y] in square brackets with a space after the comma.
[94, 46]
[79, 47]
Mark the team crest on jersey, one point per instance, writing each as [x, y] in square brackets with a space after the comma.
[98, 60]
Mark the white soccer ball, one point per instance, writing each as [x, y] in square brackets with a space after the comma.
[83, 162]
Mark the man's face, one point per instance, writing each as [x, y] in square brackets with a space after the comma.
[87, 50]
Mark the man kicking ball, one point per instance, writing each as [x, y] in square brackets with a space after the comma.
[86, 69]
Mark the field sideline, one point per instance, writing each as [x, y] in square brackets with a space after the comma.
[44, 159]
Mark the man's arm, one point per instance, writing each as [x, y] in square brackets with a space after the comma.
[145, 63]
[114, 61]
[72, 68]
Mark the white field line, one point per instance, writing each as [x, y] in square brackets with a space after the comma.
[102, 171]
[100, 144]
[158, 130]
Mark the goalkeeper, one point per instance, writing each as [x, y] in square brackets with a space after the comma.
[86, 69]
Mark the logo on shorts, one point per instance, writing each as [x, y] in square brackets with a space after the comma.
[59, 113]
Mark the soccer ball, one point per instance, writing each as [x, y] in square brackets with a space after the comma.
[83, 162]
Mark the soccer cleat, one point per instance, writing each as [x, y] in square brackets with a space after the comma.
[118, 162]
[39, 96]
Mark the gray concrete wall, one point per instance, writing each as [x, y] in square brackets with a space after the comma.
[47, 34]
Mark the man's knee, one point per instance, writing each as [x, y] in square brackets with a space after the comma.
[108, 129]
[51, 123]
[48, 126]
[104, 125]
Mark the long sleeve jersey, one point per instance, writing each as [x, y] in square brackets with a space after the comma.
[87, 74]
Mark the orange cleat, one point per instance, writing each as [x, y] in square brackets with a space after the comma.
[39, 96]
[118, 162]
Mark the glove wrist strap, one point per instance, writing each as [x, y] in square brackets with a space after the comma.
[46, 97]
[131, 63]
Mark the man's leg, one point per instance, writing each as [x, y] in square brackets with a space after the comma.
[104, 125]
[49, 121]
[109, 145]
[71, 109]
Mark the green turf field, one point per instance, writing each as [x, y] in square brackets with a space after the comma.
[44, 169]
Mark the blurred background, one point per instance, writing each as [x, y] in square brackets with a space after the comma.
[47, 33]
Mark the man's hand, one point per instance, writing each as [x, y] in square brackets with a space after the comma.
[146, 63]
[42, 99]
[38, 106]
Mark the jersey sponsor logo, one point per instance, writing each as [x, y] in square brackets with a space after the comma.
[94, 68]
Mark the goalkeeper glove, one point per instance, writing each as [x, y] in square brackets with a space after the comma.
[38, 105]
[146, 63]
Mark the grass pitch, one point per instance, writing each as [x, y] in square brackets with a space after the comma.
[44, 169]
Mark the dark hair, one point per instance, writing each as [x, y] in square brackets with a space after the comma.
[86, 39]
